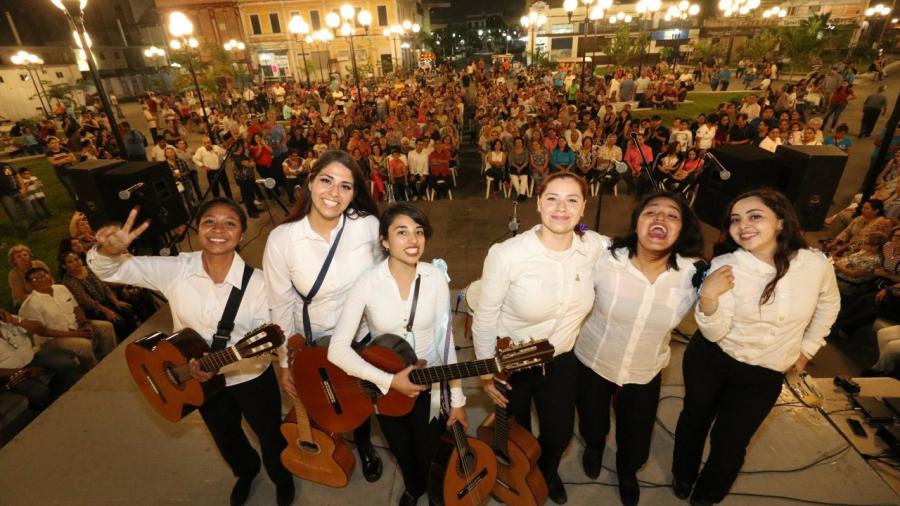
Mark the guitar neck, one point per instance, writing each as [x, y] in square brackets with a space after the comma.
[462, 441]
[500, 443]
[304, 429]
[215, 361]
[436, 374]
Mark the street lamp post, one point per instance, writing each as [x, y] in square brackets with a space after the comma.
[682, 10]
[300, 29]
[28, 60]
[180, 27]
[154, 53]
[533, 22]
[74, 10]
[736, 8]
[233, 46]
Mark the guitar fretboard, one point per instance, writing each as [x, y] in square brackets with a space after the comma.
[428, 375]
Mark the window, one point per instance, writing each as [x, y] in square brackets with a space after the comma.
[254, 24]
[274, 22]
[382, 15]
[102, 55]
[561, 43]
[314, 20]
[1, 79]
[563, 28]
[23, 77]
[59, 75]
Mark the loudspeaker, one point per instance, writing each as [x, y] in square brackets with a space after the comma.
[108, 191]
[815, 174]
[750, 166]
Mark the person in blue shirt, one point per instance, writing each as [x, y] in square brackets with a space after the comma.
[724, 78]
[563, 158]
[840, 138]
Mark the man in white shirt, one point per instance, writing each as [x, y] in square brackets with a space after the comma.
[608, 153]
[158, 152]
[65, 325]
[771, 142]
[705, 133]
[418, 169]
[681, 135]
[22, 364]
[279, 92]
[208, 158]
[751, 107]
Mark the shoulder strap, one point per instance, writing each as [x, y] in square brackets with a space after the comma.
[307, 299]
[226, 323]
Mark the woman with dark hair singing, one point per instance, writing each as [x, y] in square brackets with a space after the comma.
[312, 260]
[643, 283]
[539, 285]
[411, 299]
[765, 310]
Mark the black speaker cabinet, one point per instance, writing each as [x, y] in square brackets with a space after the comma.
[750, 166]
[108, 189]
[815, 174]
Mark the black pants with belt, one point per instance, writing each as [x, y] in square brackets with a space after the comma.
[635, 415]
[553, 394]
[259, 401]
[413, 438]
[738, 397]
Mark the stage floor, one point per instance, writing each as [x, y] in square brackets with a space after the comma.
[102, 444]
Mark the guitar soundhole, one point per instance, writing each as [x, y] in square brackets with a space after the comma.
[172, 375]
[309, 447]
[469, 460]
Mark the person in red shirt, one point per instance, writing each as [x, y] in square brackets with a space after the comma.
[636, 178]
[439, 165]
[839, 100]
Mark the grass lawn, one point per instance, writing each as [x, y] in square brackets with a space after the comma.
[44, 244]
[702, 102]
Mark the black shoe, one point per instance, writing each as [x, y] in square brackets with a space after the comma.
[682, 489]
[370, 463]
[872, 373]
[556, 491]
[629, 490]
[408, 499]
[241, 490]
[699, 502]
[592, 462]
[284, 493]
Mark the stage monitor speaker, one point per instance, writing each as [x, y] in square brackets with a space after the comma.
[815, 174]
[750, 166]
[108, 191]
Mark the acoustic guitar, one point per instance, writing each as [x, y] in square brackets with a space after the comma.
[339, 403]
[159, 365]
[463, 470]
[311, 453]
[519, 480]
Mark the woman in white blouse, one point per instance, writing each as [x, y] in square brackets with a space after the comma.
[411, 299]
[336, 210]
[644, 288]
[539, 285]
[197, 285]
[765, 310]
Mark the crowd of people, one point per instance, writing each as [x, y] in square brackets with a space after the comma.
[335, 150]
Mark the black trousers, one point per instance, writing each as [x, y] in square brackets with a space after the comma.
[635, 415]
[215, 183]
[248, 190]
[738, 397]
[63, 371]
[554, 395]
[413, 439]
[870, 117]
[258, 401]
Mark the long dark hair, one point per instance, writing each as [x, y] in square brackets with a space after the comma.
[362, 204]
[788, 242]
[689, 242]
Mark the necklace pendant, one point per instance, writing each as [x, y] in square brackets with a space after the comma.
[577, 277]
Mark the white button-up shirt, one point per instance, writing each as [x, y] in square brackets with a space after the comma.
[377, 296]
[56, 311]
[211, 158]
[796, 320]
[418, 162]
[626, 338]
[530, 292]
[195, 300]
[293, 258]
[16, 350]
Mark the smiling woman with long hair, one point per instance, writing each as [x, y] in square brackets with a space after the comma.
[764, 310]
[643, 283]
[335, 217]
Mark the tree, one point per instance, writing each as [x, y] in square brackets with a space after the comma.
[623, 46]
[758, 47]
[802, 43]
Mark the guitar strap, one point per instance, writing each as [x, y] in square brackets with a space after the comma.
[226, 323]
[412, 312]
[307, 299]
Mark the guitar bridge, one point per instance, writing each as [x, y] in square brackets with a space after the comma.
[329, 391]
[153, 384]
[472, 484]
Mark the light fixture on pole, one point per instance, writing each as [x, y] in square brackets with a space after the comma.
[647, 10]
[233, 46]
[74, 10]
[396, 31]
[300, 29]
[154, 54]
[533, 22]
[736, 8]
[180, 27]
[28, 61]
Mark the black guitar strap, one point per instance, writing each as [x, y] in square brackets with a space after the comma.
[412, 310]
[226, 323]
[307, 299]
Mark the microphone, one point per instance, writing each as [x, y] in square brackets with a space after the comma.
[268, 182]
[724, 174]
[513, 224]
[620, 167]
[165, 251]
[126, 193]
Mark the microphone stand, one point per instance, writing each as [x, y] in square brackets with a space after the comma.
[644, 164]
[186, 227]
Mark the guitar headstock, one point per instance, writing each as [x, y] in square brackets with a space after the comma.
[260, 340]
[295, 343]
[514, 357]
